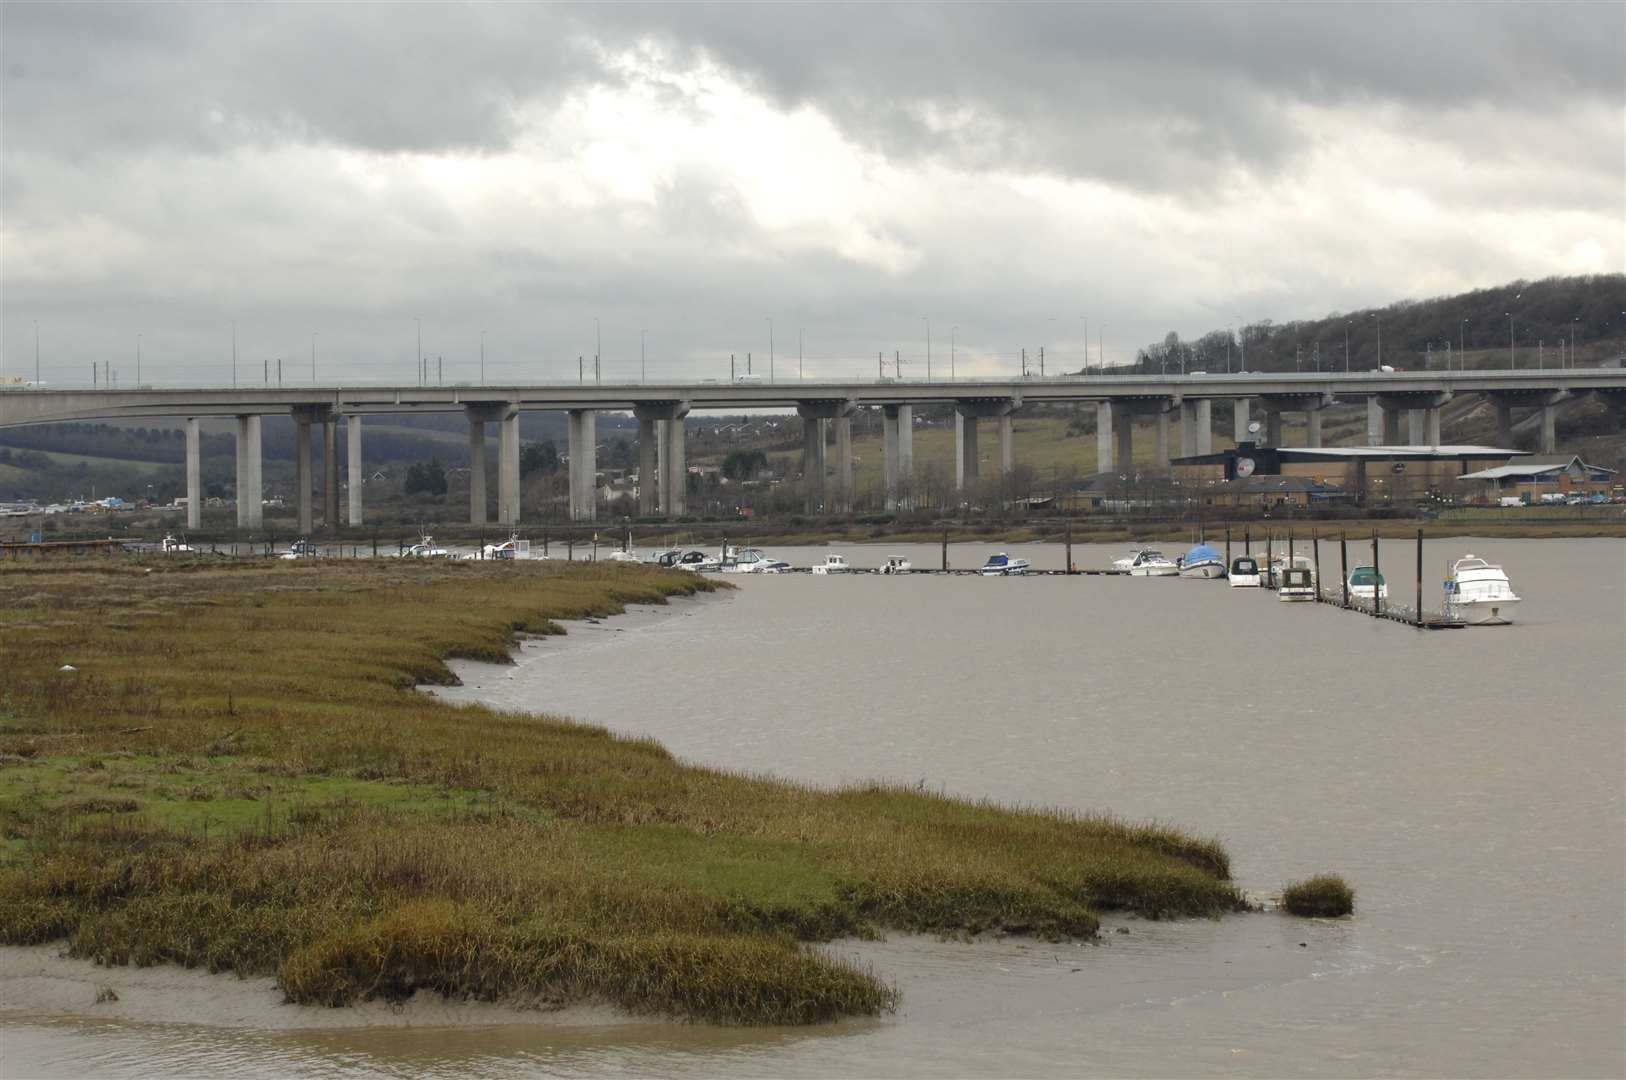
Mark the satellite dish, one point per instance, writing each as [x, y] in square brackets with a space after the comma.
[1244, 467]
[1253, 427]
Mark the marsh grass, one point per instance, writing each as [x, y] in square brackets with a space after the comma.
[245, 781]
[1323, 896]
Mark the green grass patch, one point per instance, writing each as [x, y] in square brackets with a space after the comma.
[1324, 896]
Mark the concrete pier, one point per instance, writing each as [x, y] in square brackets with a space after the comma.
[477, 472]
[1162, 420]
[1104, 446]
[812, 465]
[250, 491]
[1273, 427]
[1007, 444]
[1549, 428]
[1241, 416]
[1312, 428]
[330, 472]
[508, 467]
[674, 469]
[303, 481]
[194, 475]
[966, 451]
[583, 436]
[354, 479]
[843, 425]
[1417, 427]
[648, 452]
[897, 446]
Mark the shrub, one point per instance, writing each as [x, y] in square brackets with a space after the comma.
[1323, 896]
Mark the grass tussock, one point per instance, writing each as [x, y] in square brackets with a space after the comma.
[1324, 896]
[245, 781]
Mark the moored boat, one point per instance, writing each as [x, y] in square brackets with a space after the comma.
[1244, 572]
[1365, 583]
[1478, 593]
[1297, 584]
[1003, 565]
[171, 546]
[1147, 562]
[1202, 561]
[425, 548]
[896, 564]
[833, 564]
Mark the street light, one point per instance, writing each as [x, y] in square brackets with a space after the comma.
[1571, 364]
[643, 363]
[598, 349]
[952, 330]
[234, 352]
[1512, 352]
[419, 324]
[928, 347]
[482, 358]
[1462, 348]
[1379, 318]
[313, 358]
[138, 361]
[798, 354]
[770, 347]
[1346, 346]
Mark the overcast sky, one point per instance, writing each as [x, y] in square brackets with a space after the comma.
[848, 171]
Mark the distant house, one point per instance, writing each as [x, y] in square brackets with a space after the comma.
[1269, 491]
[1542, 474]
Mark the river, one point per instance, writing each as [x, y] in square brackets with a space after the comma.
[1471, 784]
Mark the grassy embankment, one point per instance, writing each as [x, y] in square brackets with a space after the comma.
[239, 776]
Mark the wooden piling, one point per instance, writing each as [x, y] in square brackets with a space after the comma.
[1069, 566]
[1377, 578]
[1315, 547]
[1419, 577]
[1227, 551]
[945, 549]
[1343, 577]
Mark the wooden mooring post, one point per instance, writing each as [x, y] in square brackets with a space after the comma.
[1419, 578]
[1071, 569]
[1377, 578]
[1343, 577]
[1227, 551]
[1315, 546]
[945, 549]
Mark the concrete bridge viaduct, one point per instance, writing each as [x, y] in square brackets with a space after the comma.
[822, 406]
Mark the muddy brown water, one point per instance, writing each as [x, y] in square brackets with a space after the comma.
[1471, 784]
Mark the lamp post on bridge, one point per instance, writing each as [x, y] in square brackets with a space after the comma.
[928, 347]
[138, 361]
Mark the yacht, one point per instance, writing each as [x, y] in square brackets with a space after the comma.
[1148, 562]
[1478, 593]
[1244, 572]
[1003, 565]
[1365, 583]
[1202, 561]
[833, 564]
[896, 564]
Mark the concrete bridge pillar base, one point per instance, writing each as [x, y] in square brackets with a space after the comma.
[330, 472]
[352, 435]
[583, 436]
[302, 472]
[1103, 437]
[1416, 427]
[508, 468]
[1241, 410]
[647, 465]
[663, 475]
[844, 463]
[966, 451]
[250, 492]
[477, 472]
[1163, 438]
[194, 475]
[674, 469]
[1549, 428]
[1312, 423]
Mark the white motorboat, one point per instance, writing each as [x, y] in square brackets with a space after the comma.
[751, 561]
[1147, 562]
[301, 549]
[896, 564]
[171, 546]
[622, 556]
[425, 548]
[510, 549]
[1002, 565]
[1202, 561]
[1244, 572]
[833, 564]
[1365, 583]
[1479, 593]
[1297, 584]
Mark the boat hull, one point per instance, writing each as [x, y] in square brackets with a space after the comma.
[1155, 571]
[1203, 570]
[1485, 612]
[1244, 581]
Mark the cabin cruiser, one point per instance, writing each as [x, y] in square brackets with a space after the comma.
[1244, 572]
[425, 548]
[622, 556]
[770, 565]
[692, 559]
[171, 546]
[896, 564]
[1478, 592]
[1146, 563]
[833, 564]
[301, 549]
[1003, 564]
[509, 549]
[1202, 561]
[1365, 583]
[1297, 583]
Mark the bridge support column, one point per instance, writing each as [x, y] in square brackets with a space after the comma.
[663, 441]
[1549, 428]
[583, 432]
[508, 467]
[303, 480]
[1416, 433]
[194, 475]
[1504, 425]
[1273, 427]
[1205, 426]
[648, 497]
[966, 451]
[959, 453]
[1240, 415]
[1125, 431]
[477, 472]
[812, 464]
[1103, 437]
[897, 442]
[1374, 421]
[1163, 438]
[330, 472]
[1391, 427]
[1007, 444]
[844, 463]
[250, 493]
[674, 469]
[1188, 428]
[352, 437]
[1431, 427]
[1312, 423]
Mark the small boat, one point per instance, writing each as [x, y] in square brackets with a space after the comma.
[622, 556]
[301, 549]
[1003, 565]
[171, 546]
[1365, 581]
[1202, 561]
[1147, 562]
[1244, 572]
[770, 565]
[833, 564]
[510, 549]
[896, 564]
[752, 561]
[1478, 592]
[1298, 584]
[425, 548]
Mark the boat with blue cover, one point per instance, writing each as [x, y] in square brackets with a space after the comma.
[1202, 561]
[1002, 564]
